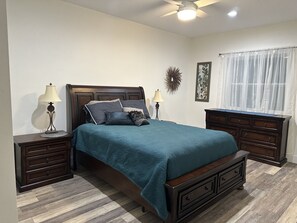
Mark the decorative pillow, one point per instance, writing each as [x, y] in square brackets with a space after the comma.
[136, 104]
[129, 109]
[96, 101]
[97, 110]
[118, 118]
[88, 117]
[138, 118]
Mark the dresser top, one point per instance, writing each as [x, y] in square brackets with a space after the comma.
[249, 113]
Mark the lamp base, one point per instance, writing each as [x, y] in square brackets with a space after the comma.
[50, 131]
[157, 110]
[54, 134]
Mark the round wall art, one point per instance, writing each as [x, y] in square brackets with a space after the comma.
[173, 79]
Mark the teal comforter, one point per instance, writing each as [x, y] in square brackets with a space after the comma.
[152, 154]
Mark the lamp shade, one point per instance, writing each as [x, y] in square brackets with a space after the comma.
[158, 96]
[50, 94]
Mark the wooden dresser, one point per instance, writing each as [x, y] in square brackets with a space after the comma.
[40, 161]
[263, 135]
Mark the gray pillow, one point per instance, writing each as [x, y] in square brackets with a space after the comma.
[118, 118]
[97, 111]
[138, 118]
[136, 104]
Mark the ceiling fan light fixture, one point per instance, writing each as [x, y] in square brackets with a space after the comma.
[187, 12]
[186, 15]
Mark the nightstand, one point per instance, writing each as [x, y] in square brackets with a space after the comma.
[40, 161]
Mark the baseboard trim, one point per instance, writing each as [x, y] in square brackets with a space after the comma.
[292, 158]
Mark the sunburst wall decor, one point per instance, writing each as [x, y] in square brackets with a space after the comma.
[173, 79]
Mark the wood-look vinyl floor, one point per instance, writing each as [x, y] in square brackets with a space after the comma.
[270, 195]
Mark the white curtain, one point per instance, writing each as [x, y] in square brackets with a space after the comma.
[260, 81]
[263, 81]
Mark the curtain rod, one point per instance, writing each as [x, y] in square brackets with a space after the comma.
[249, 51]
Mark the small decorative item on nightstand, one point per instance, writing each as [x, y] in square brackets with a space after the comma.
[157, 98]
[40, 161]
[50, 97]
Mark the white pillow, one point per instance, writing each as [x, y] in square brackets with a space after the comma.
[129, 109]
[95, 101]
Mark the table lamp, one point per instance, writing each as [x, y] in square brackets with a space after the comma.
[157, 98]
[50, 97]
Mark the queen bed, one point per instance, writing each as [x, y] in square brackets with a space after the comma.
[157, 165]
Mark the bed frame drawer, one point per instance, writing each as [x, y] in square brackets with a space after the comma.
[193, 197]
[231, 176]
[208, 185]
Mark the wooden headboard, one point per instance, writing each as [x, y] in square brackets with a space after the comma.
[79, 95]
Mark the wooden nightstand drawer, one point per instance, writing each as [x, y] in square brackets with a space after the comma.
[47, 173]
[40, 161]
[35, 162]
[38, 149]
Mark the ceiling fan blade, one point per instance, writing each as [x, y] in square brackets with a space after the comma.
[203, 3]
[169, 13]
[201, 14]
[173, 2]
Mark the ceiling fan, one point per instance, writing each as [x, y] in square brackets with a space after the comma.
[189, 9]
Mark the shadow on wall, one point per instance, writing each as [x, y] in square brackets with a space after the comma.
[149, 107]
[40, 118]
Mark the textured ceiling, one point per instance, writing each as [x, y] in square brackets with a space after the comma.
[251, 13]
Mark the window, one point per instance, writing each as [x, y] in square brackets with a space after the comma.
[256, 81]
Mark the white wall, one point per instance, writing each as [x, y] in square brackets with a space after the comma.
[207, 48]
[55, 41]
[8, 211]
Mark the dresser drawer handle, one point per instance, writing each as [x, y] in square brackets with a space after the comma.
[187, 198]
[223, 179]
[235, 171]
[206, 188]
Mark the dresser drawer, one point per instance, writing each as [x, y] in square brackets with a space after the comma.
[232, 131]
[231, 176]
[47, 173]
[194, 196]
[239, 121]
[259, 150]
[216, 118]
[266, 124]
[34, 162]
[259, 136]
[45, 148]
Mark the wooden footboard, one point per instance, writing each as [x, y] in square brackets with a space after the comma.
[194, 192]
[188, 195]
